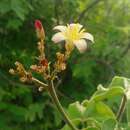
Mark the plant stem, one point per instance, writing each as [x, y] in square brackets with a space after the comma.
[121, 108]
[59, 106]
[39, 82]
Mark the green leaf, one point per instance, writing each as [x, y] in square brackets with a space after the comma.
[106, 93]
[17, 110]
[85, 103]
[104, 110]
[91, 128]
[76, 122]
[33, 111]
[119, 81]
[91, 122]
[66, 127]
[19, 8]
[99, 110]
[3, 105]
[109, 124]
[57, 117]
[128, 128]
[4, 7]
[14, 23]
[76, 110]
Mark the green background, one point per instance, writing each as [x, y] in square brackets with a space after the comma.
[22, 107]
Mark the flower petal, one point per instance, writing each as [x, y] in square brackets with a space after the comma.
[79, 26]
[88, 36]
[58, 37]
[60, 28]
[81, 45]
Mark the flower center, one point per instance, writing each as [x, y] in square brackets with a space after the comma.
[73, 32]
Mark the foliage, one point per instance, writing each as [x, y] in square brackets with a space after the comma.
[23, 108]
[97, 113]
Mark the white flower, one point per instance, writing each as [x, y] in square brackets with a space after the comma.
[74, 35]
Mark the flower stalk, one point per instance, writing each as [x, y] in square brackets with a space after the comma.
[59, 106]
[44, 85]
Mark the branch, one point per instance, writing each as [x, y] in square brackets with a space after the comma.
[81, 16]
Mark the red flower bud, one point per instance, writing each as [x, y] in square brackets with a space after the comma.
[38, 24]
[39, 29]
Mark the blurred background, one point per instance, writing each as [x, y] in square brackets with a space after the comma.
[22, 107]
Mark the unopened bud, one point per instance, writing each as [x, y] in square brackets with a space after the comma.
[12, 71]
[17, 63]
[38, 24]
[39, 29]
[23, 79]
[40, 89]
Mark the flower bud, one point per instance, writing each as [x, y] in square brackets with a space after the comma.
[12, 71]
[40, 89]
[38, 25]
[39, 30]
